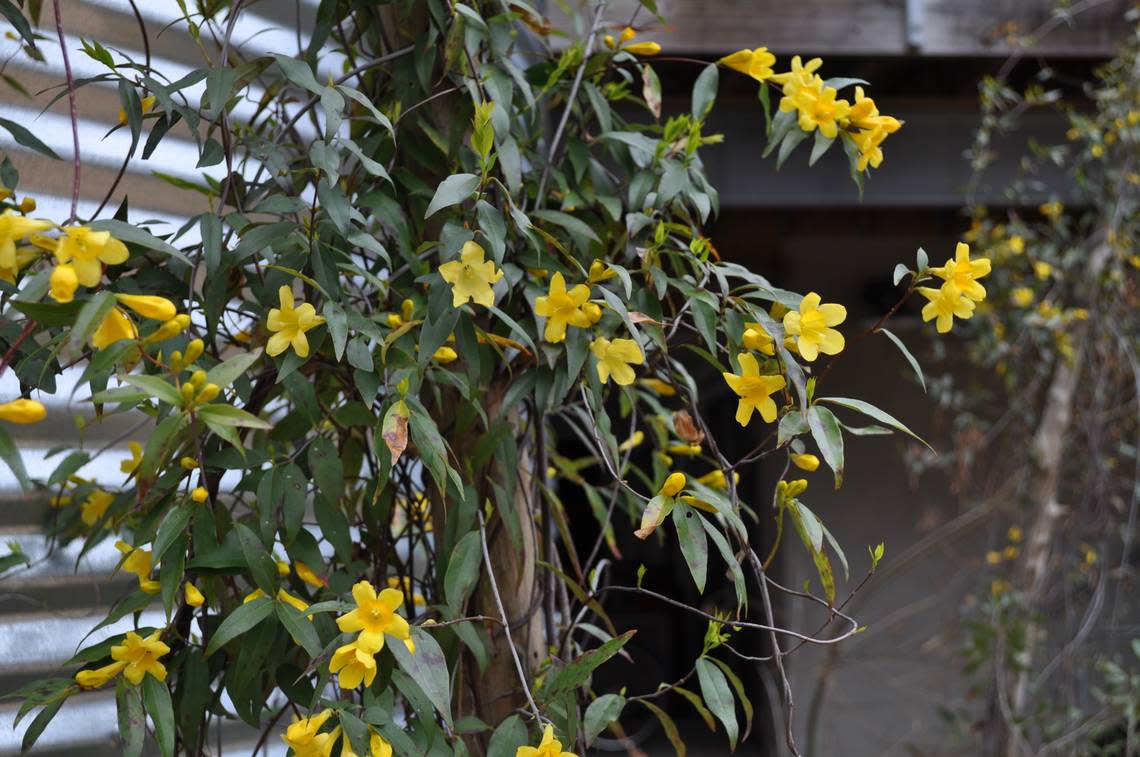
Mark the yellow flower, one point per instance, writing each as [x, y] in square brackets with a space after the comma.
[1010, 552]
[753, 390]
[138, 562]
[95, 506]
[869, 142]
[169, 329]
[22, 411]
[1017, 244]
[806, 462]
[355, 662]
[548, 747]
[756, 338]
[471, 276]
[63, 282]
[94, 679]
[131, 463]
[296, 603]
[685, 450]
[199, 494]
[290, 325]
[716, 479]
[615, 358]
[141, 656]
[282, 568]
[27, 205]
[820, 109]
[306, 574]
[944, 304]
[593, 311]
[377, 746]
[1022, 297]
[658, 387]
[811, 326]
[802, 75]
[599, 272]
[194, 598]
[791, 489]
[115, 327]
[13, 228]
[673, 485]
[87, 250]
[406, 587]
[303, 738]
[149, 306]
[375, 615]
[1042, 270]
[562, 308]
[755, 63]
[993, 558]
[964, 273]
[1014, 534]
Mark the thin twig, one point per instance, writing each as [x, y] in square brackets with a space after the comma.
[73, 110]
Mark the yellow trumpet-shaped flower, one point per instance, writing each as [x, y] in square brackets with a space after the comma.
[141, 656]
[944, 304]
[406, 587]
[149, 306]
[717, 480]
[375, 615]
[194, 597]
[95, 506]
[753, 390]
[304, 738]
[643, 48]
[811, 327]
[755, 63]
[13, 228]
[615, 358]
[115, 327]
[147, 104]
[87, 250]
[355, 663]
[755, 337]
[22, 411]
[24, 256]
[658, 387]
[548, 747]
[63, 283]
[562, 308]
[964, 273]
[802, 75]
[129, 465]
[99, 677]
[819, 108]
[378, 746]
[471, 277]
[306, 574]
[600, 272]
[290, 324]
[138, 562]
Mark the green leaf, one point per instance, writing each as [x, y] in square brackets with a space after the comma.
[704, 91]
[909, 357]
[239, 621]
[172, 526]
[718, 697]
[156, 387]
[261, 566]
[825, 430]
[741, 694]
[38, 724]
[228, 415]
[136, 235]
[601, 712]
[574, 674]
[156, 697]
[27, 139]
[300, 628]
[299, 72]
[16, 19]
[230, 370]
[575, 226]
[10, 454]
[871, 411]
[821, 145]
[452, 191]
[694, 543]
[507, 738]
[428, 668]
[462, 570]
[670, 727]
[132, 718]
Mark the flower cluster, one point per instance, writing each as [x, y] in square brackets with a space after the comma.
[817, 105]
[135, 658]
[305, 738]
[374, 617]
[960, 291]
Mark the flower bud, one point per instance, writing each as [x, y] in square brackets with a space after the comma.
[408, 309]
[209, 393]
[188, 463]
[194, 597]
[806, 462]
[149, 306]
[199, 494]
[673, 485]
[22, 411]
[194, 350]
[198, 377]
[188, 393]
[64, 281]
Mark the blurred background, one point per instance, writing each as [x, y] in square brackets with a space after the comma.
[897, 689]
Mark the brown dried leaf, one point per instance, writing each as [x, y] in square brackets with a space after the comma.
[686, 429]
